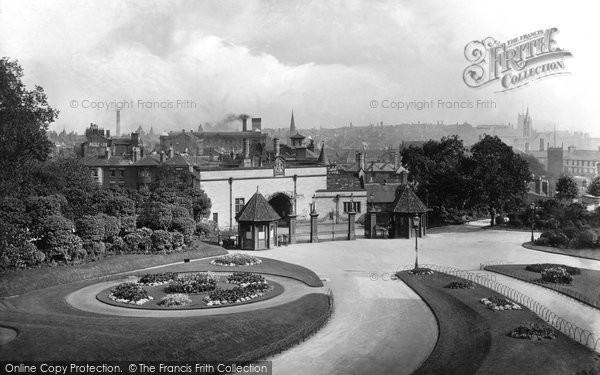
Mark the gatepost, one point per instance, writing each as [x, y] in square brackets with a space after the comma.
[292, 229]
[314, 235]
[351, 225]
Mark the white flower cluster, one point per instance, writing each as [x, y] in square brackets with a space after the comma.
[138, 302]
[225, 302]
[495, 307]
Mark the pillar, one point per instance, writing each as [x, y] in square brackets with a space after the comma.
[372, 222]
[351, 225]
[292, 229]
[314, 232]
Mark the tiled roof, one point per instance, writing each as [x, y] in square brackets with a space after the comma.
[407, 202]
[381, 193]
[343, 181]
[178, 160]
[95, 161]
[148, 161]
[257, 210]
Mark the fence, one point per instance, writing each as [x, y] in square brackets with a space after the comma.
[575, 332]
[572, 294]
[326, 231]
[287, 342]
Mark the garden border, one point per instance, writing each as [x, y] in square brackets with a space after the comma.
[572, 330]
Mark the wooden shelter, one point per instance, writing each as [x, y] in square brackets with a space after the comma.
[257, 224]
[407, 205]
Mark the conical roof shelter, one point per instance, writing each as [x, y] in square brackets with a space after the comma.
[257, 210]
[407, 202]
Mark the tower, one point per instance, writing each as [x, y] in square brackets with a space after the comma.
[293, 130]
[527, 124]
[118, 130]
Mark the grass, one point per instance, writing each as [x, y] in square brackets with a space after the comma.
[584, 286]
[157, 292]
[474, 339]
[579, 253]
[267, 266]
[85, 336]
[22, 281]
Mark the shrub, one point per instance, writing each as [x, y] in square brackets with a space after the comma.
[206, 229]
[559, 240]
[120, 206]
[94, 249]
[195, 283]
[542, 241]
[133, 241]
[130, 292]
[145, 244]
[112, 227]
[557, 275]
[26, 255]
[245, 278]
[118, 246]
[461, 284]
[70, 245]
[236, 260]
[128, 224]
[571, 232]
[177, 240]
[161, 241]
[175, 300]
[157, 278]
[237, 294]
[179, 212]
[91, 228]
[57, 238]
[185, 226]
[539, 267]
[156, 215]
[587, 238]
[421, 271]
[533, 331]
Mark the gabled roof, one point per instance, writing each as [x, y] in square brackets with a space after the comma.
[148, 161]
[407, 202]
[178, 160]
[297, 136]
[257, 210]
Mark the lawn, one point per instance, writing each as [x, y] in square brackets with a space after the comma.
[584, 287]
[579, 253]
[22, 281]
[267, 266]
[474, 339]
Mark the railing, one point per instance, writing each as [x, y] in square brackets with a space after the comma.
[569, 293]
[575, 332]
[293, 339]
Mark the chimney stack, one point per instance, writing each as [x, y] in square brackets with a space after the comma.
[107, 133]
[118, 130]
[246, 148]
[107, 153]
[162, 157]
[276, 146]
[404, 178]
[244, 124]
[396, 160]
[136, 154]
[171, 152]
[135, 139]
[360, 161]
[256, 124]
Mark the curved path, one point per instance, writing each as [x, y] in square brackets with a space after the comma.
[85, 299]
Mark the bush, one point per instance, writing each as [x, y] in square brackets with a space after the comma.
[94, 249]
[112, 227]
[132, 242]
[157, 278]
[539, 267]
[161, 241]
[185, 226]
[145, 244]
[128, 224]
[245, 278]
[129, 291]
[118, 246]
[542, 241]
[17, 257]
[559, 240]
[70, 246]
[206, 229]
[461, 284]
[57, 238]
[571, 232]
[177, 240]
[587, 238]
[156, 215]
[194, 283]
[557, 275]
[421, 271]
[236, 260]
[533, 331]
[175, 300]
[91, 228]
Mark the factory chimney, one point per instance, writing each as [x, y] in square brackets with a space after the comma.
[118, 130]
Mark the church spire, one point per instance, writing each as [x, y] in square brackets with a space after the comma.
[293, 130]
[323, 156]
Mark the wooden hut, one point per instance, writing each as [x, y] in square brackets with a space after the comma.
[257, 224]
[406, 206]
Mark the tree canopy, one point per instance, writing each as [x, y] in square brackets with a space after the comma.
[566, 188]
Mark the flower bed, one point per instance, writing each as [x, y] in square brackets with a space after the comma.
[238, 294]
[154, 279]
[175, 300]
[236, 260]
[540, 267]
[533, 331]
[496, 303]
[421, 271]
[245, 278]
[557, 275]
[131, 293]
[195, 283]
[461, 284]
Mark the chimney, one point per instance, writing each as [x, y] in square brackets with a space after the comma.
[162, 157]
[135, 139]
[107, 133]
[360, 161]
[256, 127]
[276, 146]
[107, 153]
[118, 130]
[396, 161]
[244, 124]
[171, 151]
[404, 178]
[246, 148]
[136, 154]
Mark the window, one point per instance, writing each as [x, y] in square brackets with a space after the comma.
[354, 205]
[121, 173]
[112, 173]
[216, 217]
[239, 204]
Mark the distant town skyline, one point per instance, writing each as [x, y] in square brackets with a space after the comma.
[327, 61]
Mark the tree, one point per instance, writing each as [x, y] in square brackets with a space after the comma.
[499, 175]
[24, 119]
[594, 188]
[566, 188]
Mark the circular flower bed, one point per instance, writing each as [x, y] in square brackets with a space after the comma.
[558, 275]
[236, 260]
[461, 284]
[540, 267]
[238, 294]
[175, 300]
[533, 331]
[155, 279]
[193, 283]
[131, 293]
[421, 271]
[496, 303]
[246, 278]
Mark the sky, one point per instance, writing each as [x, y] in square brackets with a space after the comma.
[175, 64]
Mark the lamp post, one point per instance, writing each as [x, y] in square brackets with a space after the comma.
[532, 207]
[415, 221]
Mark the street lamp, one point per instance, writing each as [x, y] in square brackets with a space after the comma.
[415, 221]
[532, 207]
